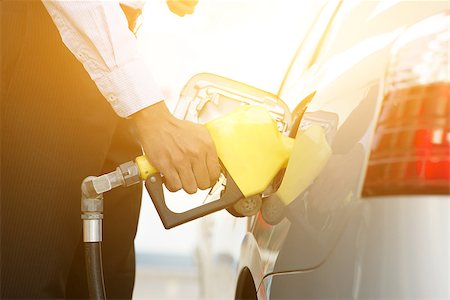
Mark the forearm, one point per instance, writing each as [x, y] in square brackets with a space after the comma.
[97, 33]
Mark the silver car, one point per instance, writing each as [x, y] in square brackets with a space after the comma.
[374, 222]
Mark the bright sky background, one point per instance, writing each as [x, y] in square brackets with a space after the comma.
[252, 41]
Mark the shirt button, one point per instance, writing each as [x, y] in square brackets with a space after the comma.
[112, 98]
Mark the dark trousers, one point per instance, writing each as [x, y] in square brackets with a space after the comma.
[56, 129]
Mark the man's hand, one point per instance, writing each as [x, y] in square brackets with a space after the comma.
[182, 151]
[182, 7]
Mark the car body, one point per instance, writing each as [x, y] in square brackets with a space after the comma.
[374, 223]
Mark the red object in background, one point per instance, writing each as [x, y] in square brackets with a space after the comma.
[411, 148]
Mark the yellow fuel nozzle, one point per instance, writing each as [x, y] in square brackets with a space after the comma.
[309, 157]
[250, 147]
[252, 151]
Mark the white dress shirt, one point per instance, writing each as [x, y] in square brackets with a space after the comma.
[97, 33]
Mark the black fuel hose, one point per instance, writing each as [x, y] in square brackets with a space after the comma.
[94, 269]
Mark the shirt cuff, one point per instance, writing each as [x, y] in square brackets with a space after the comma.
[129, 88]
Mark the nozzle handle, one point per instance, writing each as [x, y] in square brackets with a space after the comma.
[171, 219]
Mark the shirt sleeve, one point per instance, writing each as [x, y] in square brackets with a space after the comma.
[97, 33]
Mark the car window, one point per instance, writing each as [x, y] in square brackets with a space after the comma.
[353, 23]
[359, 19]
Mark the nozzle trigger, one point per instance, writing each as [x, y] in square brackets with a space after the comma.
[171, 219]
